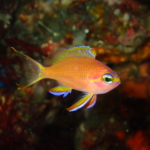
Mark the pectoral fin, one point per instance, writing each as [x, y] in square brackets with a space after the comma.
[60, 90]
[91, 102]
[83, 101]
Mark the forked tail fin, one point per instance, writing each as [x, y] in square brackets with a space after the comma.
[33, 70]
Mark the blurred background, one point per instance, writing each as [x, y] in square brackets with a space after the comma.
[33, 119]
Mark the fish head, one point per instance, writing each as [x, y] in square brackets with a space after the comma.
[104, 80]
[109, 80]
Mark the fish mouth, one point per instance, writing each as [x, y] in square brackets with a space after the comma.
[117, 80]
[117, 83]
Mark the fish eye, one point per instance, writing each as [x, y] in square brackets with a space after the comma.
[108, 78]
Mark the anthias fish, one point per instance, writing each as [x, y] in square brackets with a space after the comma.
[74, 68]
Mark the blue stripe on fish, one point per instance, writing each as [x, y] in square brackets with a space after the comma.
[60, 93]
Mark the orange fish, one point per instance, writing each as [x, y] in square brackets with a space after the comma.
[74, 68]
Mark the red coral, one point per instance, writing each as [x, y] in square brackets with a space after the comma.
[138, 142]
[48, 47]
[110, 38]
[132, 4]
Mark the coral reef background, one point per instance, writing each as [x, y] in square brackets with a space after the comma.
[33, 119]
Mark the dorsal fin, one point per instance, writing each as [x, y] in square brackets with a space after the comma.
[58, 55]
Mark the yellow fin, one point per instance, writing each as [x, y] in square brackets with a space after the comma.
[60, 90]
[91, 102]
[93, 51]
[80, 103]
[59, 55]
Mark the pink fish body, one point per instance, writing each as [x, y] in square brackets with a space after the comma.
[74, 68]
